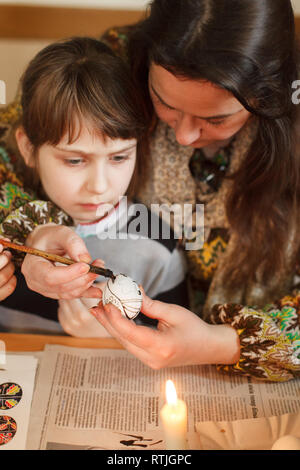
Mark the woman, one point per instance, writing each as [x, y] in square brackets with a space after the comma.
[218, 75]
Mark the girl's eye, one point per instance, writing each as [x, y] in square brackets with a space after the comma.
[119, 158]
[73, 161]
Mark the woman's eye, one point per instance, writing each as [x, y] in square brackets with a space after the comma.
[161, 103]
[166, 106]
[216, 123]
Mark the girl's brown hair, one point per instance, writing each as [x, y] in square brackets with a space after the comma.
[82, 79]
[247, 47]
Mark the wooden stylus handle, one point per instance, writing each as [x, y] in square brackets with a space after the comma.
[54, 258]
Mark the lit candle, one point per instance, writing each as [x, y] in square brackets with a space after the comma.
[174, 419]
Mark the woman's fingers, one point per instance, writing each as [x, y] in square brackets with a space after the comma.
[125, 330]
[161, 310]
[141, 341]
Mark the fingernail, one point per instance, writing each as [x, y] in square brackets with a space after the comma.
[85, 258]
[107, 308]
[92, 277]
[84, 269]
[96, 313]
[99, 263]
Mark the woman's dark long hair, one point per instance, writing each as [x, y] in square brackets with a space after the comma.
[247, 47]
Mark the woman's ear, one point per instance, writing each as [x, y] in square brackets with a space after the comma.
[25, 147]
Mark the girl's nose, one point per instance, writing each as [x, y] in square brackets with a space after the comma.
[187, 130]
[97, 182]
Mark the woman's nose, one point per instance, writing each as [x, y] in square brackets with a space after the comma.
[187, 130]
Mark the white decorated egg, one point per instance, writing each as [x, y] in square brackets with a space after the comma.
[125, 294]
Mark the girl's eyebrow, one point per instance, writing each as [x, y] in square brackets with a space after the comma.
[219, 116]
[72, 150]
[124, 149]
[83, 152]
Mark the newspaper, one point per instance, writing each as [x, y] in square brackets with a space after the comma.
[107, 399]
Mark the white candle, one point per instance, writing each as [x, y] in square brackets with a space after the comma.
[174, 419]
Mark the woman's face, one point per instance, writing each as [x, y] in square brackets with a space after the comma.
[200, 113]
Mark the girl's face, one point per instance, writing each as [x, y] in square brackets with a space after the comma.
[200, 113]
[88, 176]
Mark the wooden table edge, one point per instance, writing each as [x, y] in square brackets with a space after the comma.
[36, 342]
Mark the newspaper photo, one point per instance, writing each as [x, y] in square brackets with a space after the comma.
[107, 399]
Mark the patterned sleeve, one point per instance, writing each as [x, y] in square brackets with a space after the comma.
[22, 221]
[269, 338]
[20, 209]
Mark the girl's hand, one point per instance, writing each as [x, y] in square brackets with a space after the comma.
[76, 319]
[59, 282]
[8, 281]
[181, 339]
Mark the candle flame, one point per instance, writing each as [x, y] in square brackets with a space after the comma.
[171, 393]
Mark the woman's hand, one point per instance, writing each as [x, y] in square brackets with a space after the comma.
[59, 282]
[182, 338]
[8, 281]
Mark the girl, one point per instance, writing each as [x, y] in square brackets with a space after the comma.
[81, 142]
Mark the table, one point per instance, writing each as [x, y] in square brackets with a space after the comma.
[33, 342]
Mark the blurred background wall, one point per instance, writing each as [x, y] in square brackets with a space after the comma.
[28, 25]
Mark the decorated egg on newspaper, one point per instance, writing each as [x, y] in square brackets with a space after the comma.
[125, 294]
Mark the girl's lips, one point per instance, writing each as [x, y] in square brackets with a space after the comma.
[91, 207]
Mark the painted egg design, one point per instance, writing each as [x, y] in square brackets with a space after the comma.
[8, 429]
[10, 395]
[125, 294]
